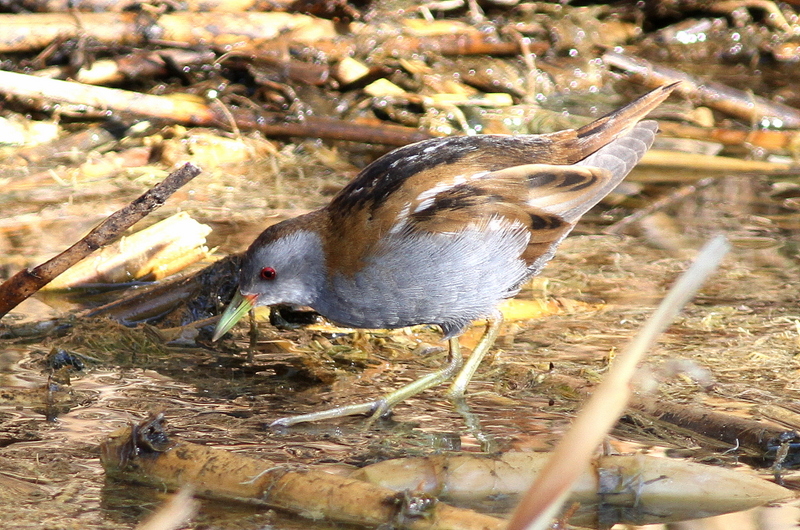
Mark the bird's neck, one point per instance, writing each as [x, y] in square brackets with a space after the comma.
[309, 232]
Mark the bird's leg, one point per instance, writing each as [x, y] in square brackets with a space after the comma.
[381, 406]
[253, 334]
[455, 361]
[486, 440]
[459, 386]
[336, 412]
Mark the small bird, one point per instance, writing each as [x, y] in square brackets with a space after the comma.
[439, 232]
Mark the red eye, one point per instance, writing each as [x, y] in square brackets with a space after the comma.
[268, 273]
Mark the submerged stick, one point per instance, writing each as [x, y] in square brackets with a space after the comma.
[26, 282]
[630, 489]
[144, 453]
[662, 203]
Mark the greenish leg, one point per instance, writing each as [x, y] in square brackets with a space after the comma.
[459, 386]
[454, 364]
[381, 406]
[487, 441]
[337, 412]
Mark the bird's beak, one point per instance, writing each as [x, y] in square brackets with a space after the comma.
[240, 305]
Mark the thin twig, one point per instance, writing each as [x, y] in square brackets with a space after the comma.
[674, 197]
[26, 282]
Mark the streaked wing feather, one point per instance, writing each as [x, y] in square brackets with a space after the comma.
[446, 185]
[556, 190]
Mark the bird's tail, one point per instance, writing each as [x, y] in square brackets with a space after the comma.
[591, 137]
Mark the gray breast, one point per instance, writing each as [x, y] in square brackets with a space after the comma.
[447, 279]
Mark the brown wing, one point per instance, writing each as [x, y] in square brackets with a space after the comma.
[384, 195]
[547, 199]
[369, 208]
[442, 185]
[536, 196]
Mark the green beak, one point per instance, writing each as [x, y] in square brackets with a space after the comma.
[240, 305]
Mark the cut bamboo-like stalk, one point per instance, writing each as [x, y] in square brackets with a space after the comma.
[706, 163]
[144, 453]
[150, 254]
[662, 489]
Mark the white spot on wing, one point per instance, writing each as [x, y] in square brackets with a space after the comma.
[402, 219]
[427, 197]
[499, 223]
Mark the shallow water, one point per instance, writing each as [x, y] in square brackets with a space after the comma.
[744, 327]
